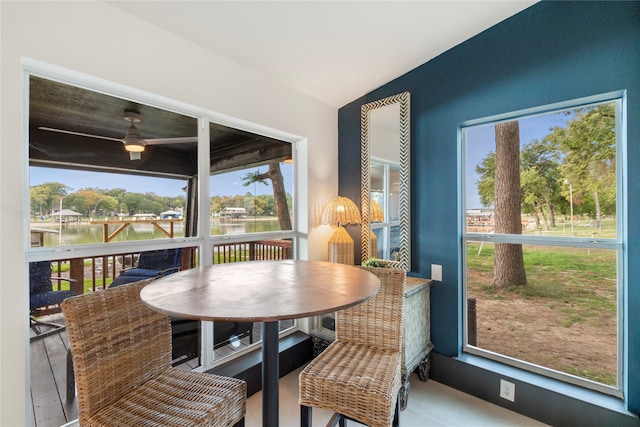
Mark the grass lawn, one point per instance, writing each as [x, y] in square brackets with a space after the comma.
[564, 318]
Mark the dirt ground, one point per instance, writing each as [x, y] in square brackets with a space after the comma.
[543, 332]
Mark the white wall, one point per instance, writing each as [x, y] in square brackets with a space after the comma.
[99, 40]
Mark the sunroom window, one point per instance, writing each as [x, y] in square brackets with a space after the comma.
[96, 207]
[542, 240]
[251, 213]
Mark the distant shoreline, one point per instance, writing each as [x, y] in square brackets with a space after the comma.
[52, 223]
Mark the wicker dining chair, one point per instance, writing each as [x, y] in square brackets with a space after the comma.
[358, 376]
[121, 353]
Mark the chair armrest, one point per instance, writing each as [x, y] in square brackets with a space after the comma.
[76, 288]
[168, 271]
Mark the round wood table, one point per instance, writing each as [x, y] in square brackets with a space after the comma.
[261, 291]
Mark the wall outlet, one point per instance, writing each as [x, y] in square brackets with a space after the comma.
[436, 272]
[507, 390]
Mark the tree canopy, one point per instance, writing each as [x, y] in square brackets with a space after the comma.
[45, 199]
[582, 153]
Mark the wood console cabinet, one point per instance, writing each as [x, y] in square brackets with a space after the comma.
[417, 333]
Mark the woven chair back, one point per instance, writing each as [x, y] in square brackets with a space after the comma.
[377, 321]
[117, 343]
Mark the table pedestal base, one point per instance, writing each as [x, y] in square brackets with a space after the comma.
[270, 374]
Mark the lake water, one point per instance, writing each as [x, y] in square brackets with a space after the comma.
[83, 233]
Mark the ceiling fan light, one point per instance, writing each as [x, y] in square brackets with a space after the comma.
[134, 146]
[132, 140]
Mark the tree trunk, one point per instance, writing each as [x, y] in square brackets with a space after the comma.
[552, 214]
[544, 218]
[508, 264]
[596, 200]
[280, 196]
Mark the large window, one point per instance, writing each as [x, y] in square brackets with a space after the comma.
[542, 240]
[251, 215]
[105, 168]
[113, 180]
[252, 191]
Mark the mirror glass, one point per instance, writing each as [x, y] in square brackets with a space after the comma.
[385, 181]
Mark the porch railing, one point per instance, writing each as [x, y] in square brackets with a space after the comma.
[252, 251]
[95, 273]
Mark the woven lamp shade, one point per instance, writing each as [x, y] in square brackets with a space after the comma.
[338, 212]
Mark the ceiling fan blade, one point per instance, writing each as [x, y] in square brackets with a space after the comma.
[160, 141]
[69, 132]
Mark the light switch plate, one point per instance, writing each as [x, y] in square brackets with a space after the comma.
[507, 390]
[436, 272]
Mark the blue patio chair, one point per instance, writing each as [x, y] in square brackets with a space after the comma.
[185, 332]
[158, 263]
[151, 264]
[43, 300]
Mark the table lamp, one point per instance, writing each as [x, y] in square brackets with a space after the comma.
[375, 215]
[340, 211]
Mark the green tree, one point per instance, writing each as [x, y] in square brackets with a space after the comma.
[588, 144]
[533, 195]
[540, 177]
[176, 202]
[134, 203]
[45, 198]
[486, 183]
[216, 204]
[90, 200]
[117, 193]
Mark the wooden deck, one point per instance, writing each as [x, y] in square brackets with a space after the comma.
[49, 382]
[50, 407]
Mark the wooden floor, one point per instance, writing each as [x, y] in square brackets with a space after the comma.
[49, 382]
[50, 407]
[430, 403]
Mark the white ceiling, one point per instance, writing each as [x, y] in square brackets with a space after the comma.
[334, 51]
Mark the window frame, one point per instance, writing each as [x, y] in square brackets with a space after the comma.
[203, 241]
[617, 244]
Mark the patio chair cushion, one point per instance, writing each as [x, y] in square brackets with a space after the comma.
[48, 298]
[151, 264]
[41, 293]
[130, 276]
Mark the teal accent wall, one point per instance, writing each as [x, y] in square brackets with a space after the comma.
[550, 52]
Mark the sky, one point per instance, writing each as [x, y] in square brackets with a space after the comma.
[229, 184]
[481, 140]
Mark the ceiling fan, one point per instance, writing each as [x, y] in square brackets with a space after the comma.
[133, 141]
